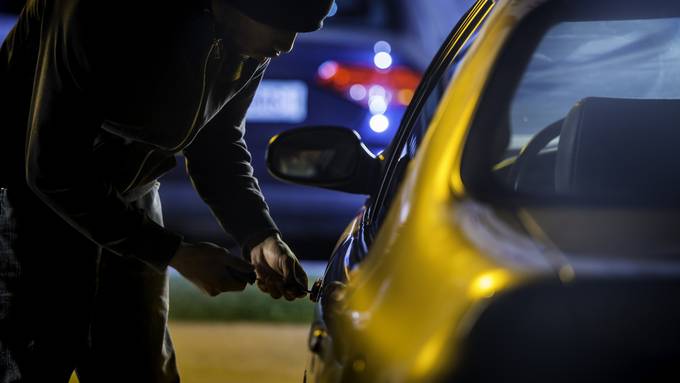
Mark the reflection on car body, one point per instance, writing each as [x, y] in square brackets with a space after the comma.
[523, 223]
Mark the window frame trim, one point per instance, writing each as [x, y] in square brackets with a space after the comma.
[457, 39]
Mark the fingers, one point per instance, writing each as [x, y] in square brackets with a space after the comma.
[237, 271]
[216, 270]
[262, 286]
[268, 280]
[223, 282]
[279, 273]
[296, 280]
[276, 288]
[292, 286]
[300, 276]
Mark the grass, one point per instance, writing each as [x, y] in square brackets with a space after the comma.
[187, 303]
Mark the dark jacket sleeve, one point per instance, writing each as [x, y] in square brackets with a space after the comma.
[59, 159]
[218, 163]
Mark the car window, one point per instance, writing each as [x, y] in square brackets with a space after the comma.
[576, 60]
[594, 113]
[577, 131]
[407, 151]
[434, 85]
[6, 24]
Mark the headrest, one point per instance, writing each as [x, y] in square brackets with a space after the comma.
[613, 147]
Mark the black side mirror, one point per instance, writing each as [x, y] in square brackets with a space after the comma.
[325, 156]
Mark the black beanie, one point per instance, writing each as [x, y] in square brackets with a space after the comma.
[289, 15]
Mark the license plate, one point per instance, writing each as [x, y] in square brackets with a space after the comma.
[279, 101]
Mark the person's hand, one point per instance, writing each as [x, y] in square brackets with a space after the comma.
[212, 269]
[278, 271]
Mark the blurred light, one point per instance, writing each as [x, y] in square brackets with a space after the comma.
[377, 90]
[429, 355]
[379, 123]
[403, 213]
[383, 60]
[358, 92]
[334, 10]
[405, 96]
[359, 365]
[328, 69]
[382, 46]
[377, 104]
[486, 284]
[359, 83]
[567, 273]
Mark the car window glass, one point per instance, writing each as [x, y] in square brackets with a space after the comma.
[576, 136]
[421, 111]
[409, 148]
[581, 100]
[575, 60]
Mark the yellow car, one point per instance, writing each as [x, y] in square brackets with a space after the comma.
[524, 224]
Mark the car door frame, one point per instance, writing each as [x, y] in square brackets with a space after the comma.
[445, 57]
[354, 246]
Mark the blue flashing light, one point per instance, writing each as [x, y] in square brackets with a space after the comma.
[383, 60]
[382, 46]
[379, 123]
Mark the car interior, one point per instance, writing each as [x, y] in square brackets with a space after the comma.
[606, 147]
[586, 144]
[612, 164]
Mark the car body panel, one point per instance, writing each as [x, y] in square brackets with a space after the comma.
[435, 245]
[431, 217]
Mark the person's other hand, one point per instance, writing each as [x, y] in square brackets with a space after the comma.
[278, 271]
[212, 269]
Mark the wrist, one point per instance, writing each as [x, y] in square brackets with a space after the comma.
[257, 239]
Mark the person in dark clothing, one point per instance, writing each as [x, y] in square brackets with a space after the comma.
[96, 99]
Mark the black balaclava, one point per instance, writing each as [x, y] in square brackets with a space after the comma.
[289, 15]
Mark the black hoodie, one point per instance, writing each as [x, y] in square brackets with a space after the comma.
[97, 98]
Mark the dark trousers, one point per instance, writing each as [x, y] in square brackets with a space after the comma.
[67, 304]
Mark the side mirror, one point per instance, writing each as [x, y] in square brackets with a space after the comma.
[324, 156]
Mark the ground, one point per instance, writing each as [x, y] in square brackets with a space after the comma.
[245, 337]
[239, 352]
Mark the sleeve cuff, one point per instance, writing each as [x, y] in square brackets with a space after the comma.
[251, 232]
[255, 239]
[152, 244]
[160, 249]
